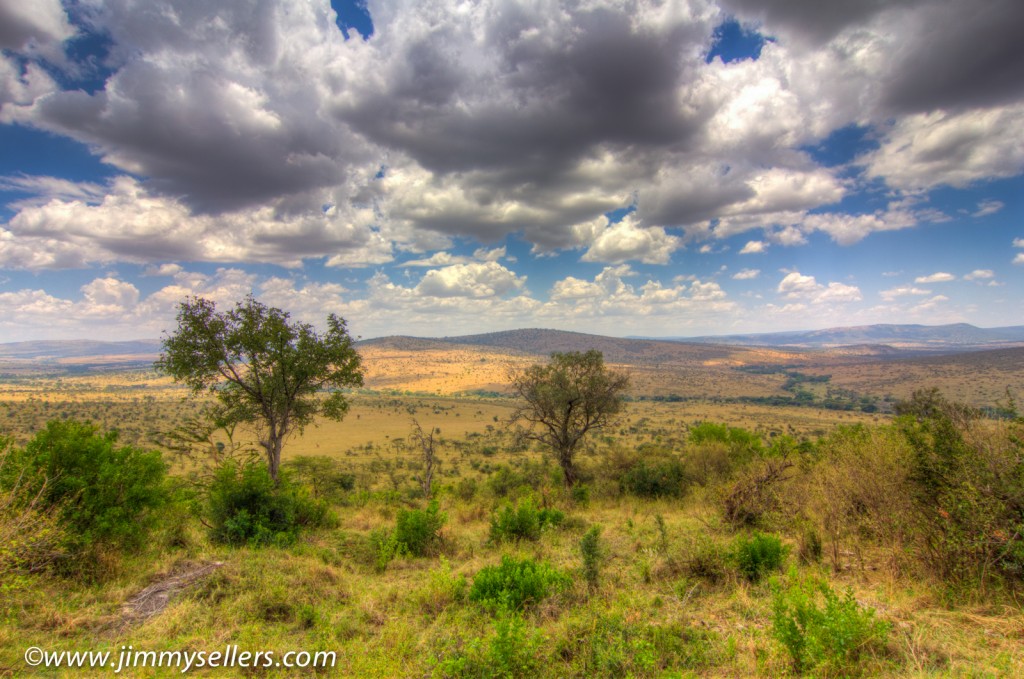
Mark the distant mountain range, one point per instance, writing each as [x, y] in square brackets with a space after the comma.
[868, 340]
[952, 337]
[57, 349]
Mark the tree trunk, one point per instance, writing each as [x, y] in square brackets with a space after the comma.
[568, 469]
[273, 447]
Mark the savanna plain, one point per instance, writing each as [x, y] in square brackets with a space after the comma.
[749, 512]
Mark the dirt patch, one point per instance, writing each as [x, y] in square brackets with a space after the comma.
[154, 599]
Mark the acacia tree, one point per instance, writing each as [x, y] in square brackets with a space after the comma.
[265, 370]
[574, 394]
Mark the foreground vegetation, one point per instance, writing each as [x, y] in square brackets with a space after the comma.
[701, 549]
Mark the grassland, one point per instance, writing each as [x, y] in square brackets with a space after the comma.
[654, 612]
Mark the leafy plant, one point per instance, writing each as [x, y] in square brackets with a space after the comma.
[523, 522]
[820, 629]
[665, 478]
[103, 492]
[510, 652]
[592, 554]
[515, 584]
[417, 530]
[245, 507]
[758, 554]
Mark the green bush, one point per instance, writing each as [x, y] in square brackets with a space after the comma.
[104, 493]
[592, 554]
[664, 478]
[417, 531]
[514, 584]
[245, 507]
[31, 535]
[821, 630]
[758, 555]
[322, 475]
[510, 652]
[968, 487]
[608, 645]
[523, 522]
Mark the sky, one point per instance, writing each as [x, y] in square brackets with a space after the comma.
[438, 168]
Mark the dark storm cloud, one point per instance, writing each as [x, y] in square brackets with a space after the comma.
[210, 105]
[536, 103]
[961, 54]
[816, 21]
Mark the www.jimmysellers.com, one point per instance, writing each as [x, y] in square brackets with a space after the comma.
[129, 658]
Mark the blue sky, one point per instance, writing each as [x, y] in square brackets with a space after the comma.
[435, 168]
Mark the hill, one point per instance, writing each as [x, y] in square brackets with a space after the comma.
[952, 337]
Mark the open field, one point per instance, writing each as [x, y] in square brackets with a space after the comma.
[669, 600]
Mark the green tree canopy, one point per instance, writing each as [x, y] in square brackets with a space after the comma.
[264, 369]
[574, 394]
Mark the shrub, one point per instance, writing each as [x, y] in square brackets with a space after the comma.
[104, 493]
[592, 554]
[755, 494]
[510, 652]
[758, 554]
[664, 478]
[417, 530]
[523, 522]
[609, 645]
[969, 490]
[31, 534]
[821, 630]
[515, 584]
[706, 560]
[323, 476]
[246, 508]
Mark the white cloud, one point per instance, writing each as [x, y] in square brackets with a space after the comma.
[988, 207]
[746, 274]
[980, 274]
[798, 286]
[167, 269]
[627, 241]
[950, 148]
[486, 279]
[130, 224]
[937, 277]
[1018, 242]
[37, 26]
[902, 291]
[754, 247]
[1019, 259]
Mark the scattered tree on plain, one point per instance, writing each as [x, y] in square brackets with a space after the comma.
[571, 396]
[264, 369]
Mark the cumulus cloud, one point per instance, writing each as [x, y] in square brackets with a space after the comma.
[902, 291]
[627, 241]
[483, 279]
[746, 274]
[37, 26]
[927, 150]
[754, 247]
[937, 277]
[127, 223]
[796, 285]
[980, 274]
